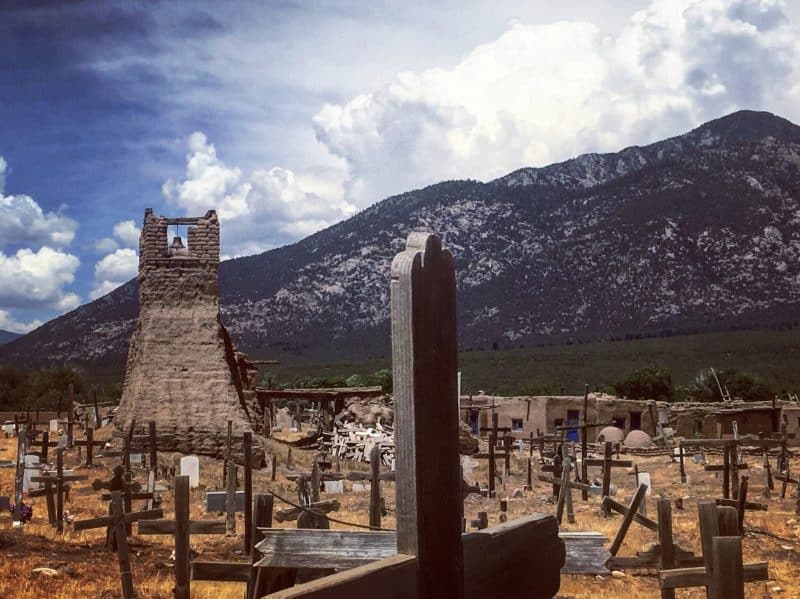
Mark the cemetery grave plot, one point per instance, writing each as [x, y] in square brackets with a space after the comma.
[81, 561]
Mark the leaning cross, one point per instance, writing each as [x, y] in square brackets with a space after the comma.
[119, 519]
[58, 480]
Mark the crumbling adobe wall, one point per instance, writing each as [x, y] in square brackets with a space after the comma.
[182, 370]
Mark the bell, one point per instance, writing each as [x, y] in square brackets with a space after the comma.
[177, 244]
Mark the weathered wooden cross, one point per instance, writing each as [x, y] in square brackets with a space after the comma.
[607, 463]
[118, 519]
[58, 479]
[89, 443]
[723, 574]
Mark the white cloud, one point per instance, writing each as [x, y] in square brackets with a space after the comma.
[259, 210]
[113, 270]
[24, 222]
[106, 245]
[128, 233]
[544, 93]
[32, 280]
[8, 323]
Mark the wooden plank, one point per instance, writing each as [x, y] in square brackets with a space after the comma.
[638, 518]
[247, 449]
[664, 510]
[122, 545]
[182, 531]
[727, 579]
[221, 571]
[424, 361]
[374, 488]
[109, 520]
[196, 527]
[309, 548]
[392, 578]
[682, 578]
[614, 463]
[522, 554]
[627, 519]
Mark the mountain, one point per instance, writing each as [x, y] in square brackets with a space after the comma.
[6, 336]
[698, 232]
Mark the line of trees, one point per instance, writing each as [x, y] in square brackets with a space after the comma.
[22, 389]
[655, 382]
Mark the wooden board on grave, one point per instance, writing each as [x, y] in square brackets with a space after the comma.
[215, 501]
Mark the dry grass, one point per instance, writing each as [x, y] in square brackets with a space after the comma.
[86, 569]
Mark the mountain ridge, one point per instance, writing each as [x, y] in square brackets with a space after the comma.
[696, 232]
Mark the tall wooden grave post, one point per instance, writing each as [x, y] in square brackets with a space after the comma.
[584, 443]
[423, 303]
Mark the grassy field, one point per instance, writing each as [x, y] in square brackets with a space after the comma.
[772, 355]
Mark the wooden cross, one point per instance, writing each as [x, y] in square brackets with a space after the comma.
[45, 443]
[118, 520]
[182, 527]
[723, 573]
[666, 553]
[491, 456]
[58, 480]
[607, 463]
[89, 443]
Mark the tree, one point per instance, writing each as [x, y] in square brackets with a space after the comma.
[740, 385]
[650, 382]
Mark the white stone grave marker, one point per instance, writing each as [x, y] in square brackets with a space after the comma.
[334, 486]
[190, 466]
[54, 426]
[31, 463]
[644, 479]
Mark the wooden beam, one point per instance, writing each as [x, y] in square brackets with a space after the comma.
[394, 577]
[221, 571]
[638, 518]
[627, 519]
[682, 578]
[309, 548]
[196, 527]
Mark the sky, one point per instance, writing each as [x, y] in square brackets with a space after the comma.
[289, 116]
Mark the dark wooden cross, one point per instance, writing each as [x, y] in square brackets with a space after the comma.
[118, 520]
[58, 480]
[182, 527]
[89, 443]
[44, 444]
[491, 456]
[607, 463]
[723, 573]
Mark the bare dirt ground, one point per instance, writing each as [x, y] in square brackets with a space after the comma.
[85, 568]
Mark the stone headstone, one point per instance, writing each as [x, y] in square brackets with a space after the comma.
[215, 501]
[8, 428]
[361, 487]
[190, 466]
[334, 486]
[62, 442]
[54, 426]
[644, 479]
[699, 458]
[137, 458]
[31, 470]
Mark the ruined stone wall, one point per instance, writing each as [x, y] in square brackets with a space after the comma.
[182, 370]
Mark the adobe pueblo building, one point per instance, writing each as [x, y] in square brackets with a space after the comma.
[183, 371]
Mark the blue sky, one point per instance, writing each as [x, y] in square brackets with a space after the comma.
[289, 116]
